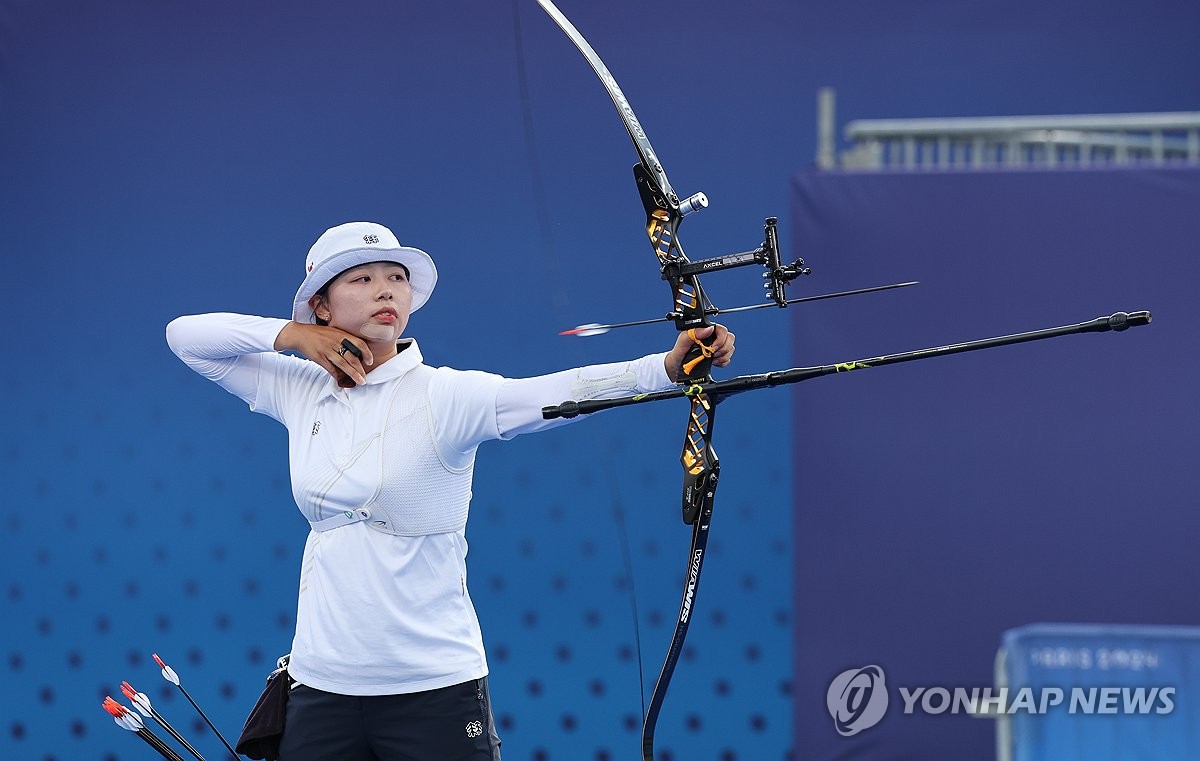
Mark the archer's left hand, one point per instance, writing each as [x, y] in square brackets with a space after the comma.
[722, 349]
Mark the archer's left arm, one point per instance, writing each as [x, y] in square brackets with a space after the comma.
[470, 407]
[519, 401]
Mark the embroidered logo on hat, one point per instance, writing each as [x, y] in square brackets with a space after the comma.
[370, 239]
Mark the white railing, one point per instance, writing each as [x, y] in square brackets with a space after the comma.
[1008, 141]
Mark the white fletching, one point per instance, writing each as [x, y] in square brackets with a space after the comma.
[590, 329]
[142, 703]
[168, 673]
[129, 720]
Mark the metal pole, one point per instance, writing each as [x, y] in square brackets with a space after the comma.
[826, 135]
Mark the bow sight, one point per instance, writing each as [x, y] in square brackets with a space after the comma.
[776, 274]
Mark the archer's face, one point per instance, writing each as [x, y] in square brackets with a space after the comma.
[371, 301]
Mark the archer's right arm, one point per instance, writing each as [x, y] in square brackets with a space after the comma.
[228, 349]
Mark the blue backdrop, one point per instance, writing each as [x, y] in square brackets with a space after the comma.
[166, 158]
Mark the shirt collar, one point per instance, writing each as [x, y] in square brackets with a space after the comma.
[394, 368]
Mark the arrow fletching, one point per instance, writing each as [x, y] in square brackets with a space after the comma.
[168, 673]
[591, 329]
[124, 717]
[139, 700]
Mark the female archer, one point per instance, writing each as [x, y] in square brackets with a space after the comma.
[388, 658]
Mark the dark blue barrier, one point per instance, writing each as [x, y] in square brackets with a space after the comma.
[940, 504]
[1127, 692]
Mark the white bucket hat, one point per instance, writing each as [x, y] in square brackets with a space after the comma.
[354, 243]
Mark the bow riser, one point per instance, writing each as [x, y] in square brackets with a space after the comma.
[699, 460]
[662, 227]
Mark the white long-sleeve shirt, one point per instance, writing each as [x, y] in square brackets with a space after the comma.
[383, 604]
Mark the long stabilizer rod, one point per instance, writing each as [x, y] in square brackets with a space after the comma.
[1115, 322]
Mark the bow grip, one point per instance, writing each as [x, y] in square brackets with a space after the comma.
[697, 363]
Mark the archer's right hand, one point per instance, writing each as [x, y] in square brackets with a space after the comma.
[323, 344]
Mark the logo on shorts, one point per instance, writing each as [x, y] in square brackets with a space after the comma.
[474, 729]
[370, 239]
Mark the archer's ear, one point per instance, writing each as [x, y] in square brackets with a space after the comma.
[320, 306]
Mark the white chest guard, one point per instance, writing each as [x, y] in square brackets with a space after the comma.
[387, 473]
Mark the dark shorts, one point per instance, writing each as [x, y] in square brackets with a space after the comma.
[449, 724]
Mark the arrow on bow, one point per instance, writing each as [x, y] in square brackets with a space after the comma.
[595, 329]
